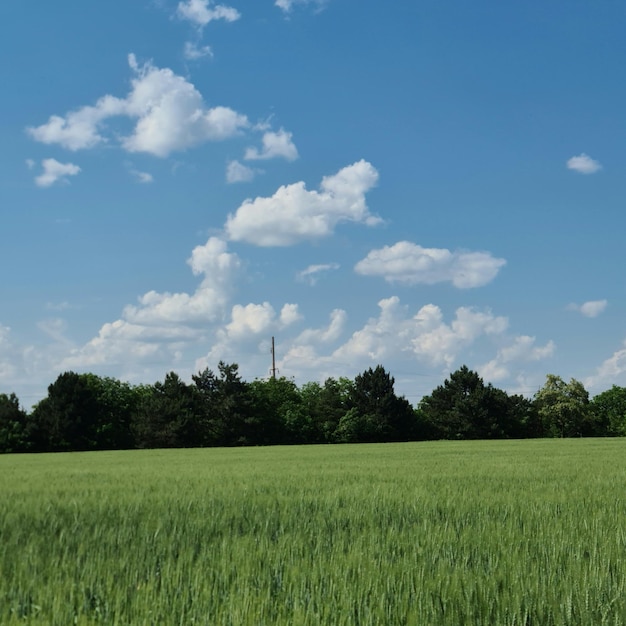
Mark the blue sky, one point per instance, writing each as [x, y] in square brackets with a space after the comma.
[425, 186]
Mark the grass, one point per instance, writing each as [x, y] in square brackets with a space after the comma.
[517, 532]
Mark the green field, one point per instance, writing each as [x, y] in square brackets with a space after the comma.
[517, 532]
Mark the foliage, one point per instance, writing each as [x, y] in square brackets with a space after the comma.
[67, 418]
[465, 408]
[167, 416]
[227, 413]
[564, 408]
[609, 411]
[89, 412]
[13, 435]
[376, 412]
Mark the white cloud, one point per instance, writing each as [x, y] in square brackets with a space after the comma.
[593, 308]
[192, 51]
[294, 214]
[161, 322]
[409, 263]
[208, 301]
[583, 164]
[311, 273]
[611, 372]
[55, 329]
[251, 319]
[393, 337]
[249, 329]
[425, 336]
[238, 173]
[169, 111]
[30, 164]
[289, 314]
[521, 349]
[288, 5]
[7, 363]
[58, 306]
[275, 144]
[53, 172]
[201, 12]
[142, 177]
[328, 334]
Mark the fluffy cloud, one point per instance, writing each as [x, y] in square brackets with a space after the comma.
[201, 12]
[424, 336]
[294, 214]
[409, 263]
[610, 372]
[593, 308]
[249, 331]
[238, 173]
[53, 172]
[311, 273]
[7, 365]
[142, 177]
[583, 164]
[162, 322]
[288, 5]
[328, 334]
[522, 349]
[275, 144]
[394, 336]
[169, 111]
[193, 52]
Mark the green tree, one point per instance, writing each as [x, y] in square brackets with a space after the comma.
[279, 411]
[375, 412]
[67, 418]
[324, 406]
[609, 412]
[13, 435]
[117, 403]
[227, 414]
[564, 408]
[168, 416]
[465, 408]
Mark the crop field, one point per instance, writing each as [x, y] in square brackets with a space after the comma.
[493, 533]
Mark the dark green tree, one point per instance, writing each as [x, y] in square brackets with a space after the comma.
[13, 434]
[67, 418]
[465, 408]
[375, 412]
[168, 416]
[228, 418]
[609, 412]
[117, 404]
[564, 408]
[324, 406]
[279, 411]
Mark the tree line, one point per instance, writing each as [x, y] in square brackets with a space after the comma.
[89, 412]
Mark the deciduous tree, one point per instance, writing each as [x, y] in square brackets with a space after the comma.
[564, 408]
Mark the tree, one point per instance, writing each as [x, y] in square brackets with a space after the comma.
[609, 412]
[375, 412]
[66, 419]
[279, 413]
[324, 406]
[564, 408]
[168, 416]
[117, 403]
[465, 408]
[13, 435]
[227, 415]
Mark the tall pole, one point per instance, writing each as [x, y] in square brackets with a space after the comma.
[273, 360]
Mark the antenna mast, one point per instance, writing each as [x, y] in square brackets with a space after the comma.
[273, 370]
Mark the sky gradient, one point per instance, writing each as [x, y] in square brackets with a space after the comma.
[422, 186]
